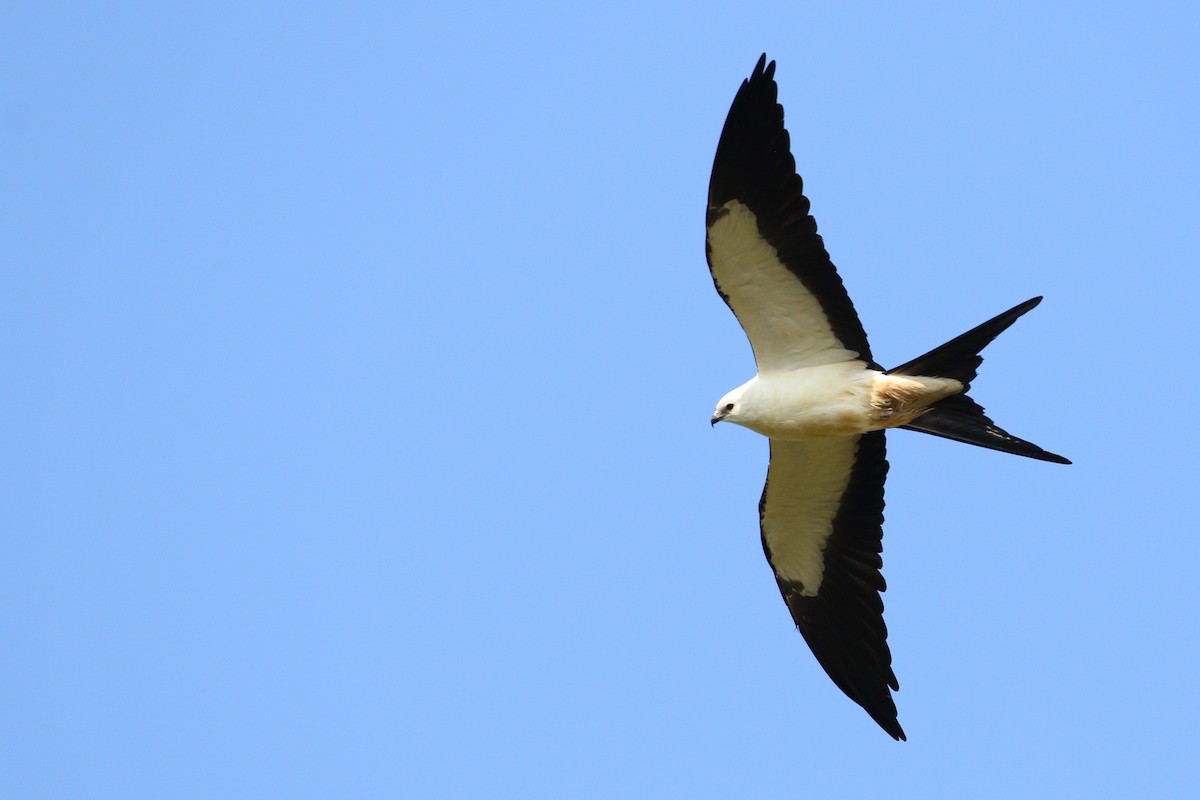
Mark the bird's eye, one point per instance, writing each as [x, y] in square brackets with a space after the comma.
[729, 406]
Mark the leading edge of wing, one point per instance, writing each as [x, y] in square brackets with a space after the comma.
[754, 170]
[822, 529]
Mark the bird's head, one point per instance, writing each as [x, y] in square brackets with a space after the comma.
[730, 407]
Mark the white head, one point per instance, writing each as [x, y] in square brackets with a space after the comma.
[732, 407]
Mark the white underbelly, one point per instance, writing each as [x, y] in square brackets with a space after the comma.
[826, 400]
[841, 400]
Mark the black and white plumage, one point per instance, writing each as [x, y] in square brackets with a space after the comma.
[822, 400]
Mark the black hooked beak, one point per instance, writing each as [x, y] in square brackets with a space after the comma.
[717, 419]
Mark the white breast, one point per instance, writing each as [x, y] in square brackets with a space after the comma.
[827, 400]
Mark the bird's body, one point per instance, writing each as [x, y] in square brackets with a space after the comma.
[822, 400]
[840, 399]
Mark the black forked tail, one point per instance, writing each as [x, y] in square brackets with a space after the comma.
[962, 419]
[959, 417]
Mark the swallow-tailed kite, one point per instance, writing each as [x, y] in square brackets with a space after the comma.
[822, 400]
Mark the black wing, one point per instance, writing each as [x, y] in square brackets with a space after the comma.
[822, 529]
[767, 260]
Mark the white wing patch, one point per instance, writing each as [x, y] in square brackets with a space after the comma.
[785, 323]
[805, 484]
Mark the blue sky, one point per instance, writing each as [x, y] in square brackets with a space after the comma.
[358, 365]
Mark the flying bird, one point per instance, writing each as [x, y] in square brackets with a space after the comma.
[822, 400]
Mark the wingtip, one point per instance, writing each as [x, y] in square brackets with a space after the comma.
[764, 70]
[891, 726]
